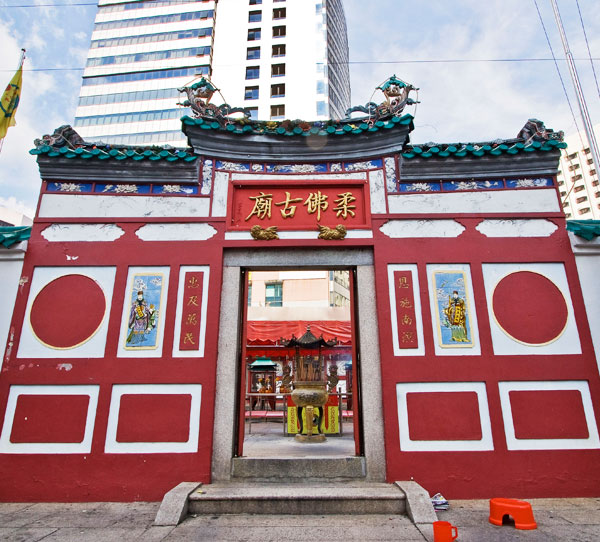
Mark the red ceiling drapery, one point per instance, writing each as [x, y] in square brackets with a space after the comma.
[261, 332]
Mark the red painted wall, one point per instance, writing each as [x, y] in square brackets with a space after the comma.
[98, 476]
[484, 474]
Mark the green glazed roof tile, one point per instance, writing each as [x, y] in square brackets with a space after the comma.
[11, 235]
[588, 229]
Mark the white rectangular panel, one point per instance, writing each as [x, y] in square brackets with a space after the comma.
[540, 200]
[84, 206]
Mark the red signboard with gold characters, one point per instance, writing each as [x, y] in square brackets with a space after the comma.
[299, 205]
[405, 309]
[189, 338]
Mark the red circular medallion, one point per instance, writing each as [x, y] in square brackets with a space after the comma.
[67, 311]
[530, 308]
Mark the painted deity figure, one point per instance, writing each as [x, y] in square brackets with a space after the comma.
[286, 380]
[456, 313]
[142, 319]
[268, 385]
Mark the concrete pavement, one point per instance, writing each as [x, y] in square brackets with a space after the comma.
[573, 520]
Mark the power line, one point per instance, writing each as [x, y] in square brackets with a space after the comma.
[588, 47]
[564, 90]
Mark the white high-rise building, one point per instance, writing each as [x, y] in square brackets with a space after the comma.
[279, 58]
[578, 179]
[283, 59]
[140, 53]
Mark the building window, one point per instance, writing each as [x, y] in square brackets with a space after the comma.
[584, 211]
[252, 72]
[279, 13]
[595, 183]
[253, 53]
[560, 183]
[581, 199]
[573, 167]
[251, 93]
[277, 70]
[320, 87]
[278, 91]
[255, 2]
[274, 294]
[321, 108]
[278, 111]
[568, 215]
[597, 195]
[579, 188]
[576, 177]
[571, 156]
[592, 172]
[587, 151]
[255, 16]
[254, 34]
[252, 111]
[279, 49]
[279, 31]
[563, 193]
[590, 161]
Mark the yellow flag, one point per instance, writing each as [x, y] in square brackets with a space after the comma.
[10, 101]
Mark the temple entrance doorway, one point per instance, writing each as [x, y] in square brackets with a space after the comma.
[299, 334]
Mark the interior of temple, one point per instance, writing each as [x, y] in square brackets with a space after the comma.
[298, 340]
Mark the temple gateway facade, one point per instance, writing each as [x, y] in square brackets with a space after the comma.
[141, 353]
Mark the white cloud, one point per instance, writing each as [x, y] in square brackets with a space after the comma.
[18, 206]
[469, 101]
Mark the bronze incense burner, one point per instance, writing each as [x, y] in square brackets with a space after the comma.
[310, 387]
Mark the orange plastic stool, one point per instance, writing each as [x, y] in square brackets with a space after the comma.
[520, 511]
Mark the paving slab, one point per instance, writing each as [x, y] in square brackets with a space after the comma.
[82, 534]
[26, 534]
[573, 520]
[306, 528]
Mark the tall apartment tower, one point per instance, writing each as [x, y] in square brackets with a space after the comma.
[578, 179]
[280, 58]
[140, 53]
[283, 59]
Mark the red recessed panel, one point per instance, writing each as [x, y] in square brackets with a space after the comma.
[67, 311]
[154, 418]
[49, 418]
[548, 414]
[443, 416]
[530, 307]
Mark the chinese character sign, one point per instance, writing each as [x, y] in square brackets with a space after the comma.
[189, 338]
[405, 309]
[299, 206]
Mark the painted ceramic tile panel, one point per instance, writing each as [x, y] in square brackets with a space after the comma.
[453, 320]
[145, 299]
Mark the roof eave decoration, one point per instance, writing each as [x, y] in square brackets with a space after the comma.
[375, 117]
[198, 99]
[534, 136]
[587, 229]
[11, 235]
[65, 142]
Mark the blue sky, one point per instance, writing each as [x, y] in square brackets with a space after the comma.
[460, 101]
